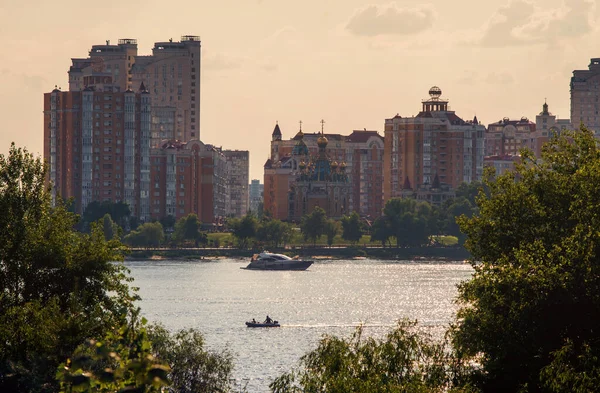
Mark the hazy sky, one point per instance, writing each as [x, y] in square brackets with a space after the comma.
[351, 62]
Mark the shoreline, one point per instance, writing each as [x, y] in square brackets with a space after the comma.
[321, 253]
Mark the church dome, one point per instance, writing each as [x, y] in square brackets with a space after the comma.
[334, 165]
[343, 166]
[322, 141]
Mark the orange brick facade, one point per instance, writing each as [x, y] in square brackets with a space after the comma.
[435, 149]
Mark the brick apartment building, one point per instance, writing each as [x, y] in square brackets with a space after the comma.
[97, 144]
[432, 152]
[188, 178]
[238, 174]
[171, 75]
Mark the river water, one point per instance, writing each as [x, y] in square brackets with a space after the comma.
[331, 297]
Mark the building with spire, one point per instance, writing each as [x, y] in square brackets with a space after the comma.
[547, 125]
[431, 153]
[301, 172]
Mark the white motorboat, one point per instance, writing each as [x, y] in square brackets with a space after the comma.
[269, 261]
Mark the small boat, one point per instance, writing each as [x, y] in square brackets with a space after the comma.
[262, 324]
[269, 261]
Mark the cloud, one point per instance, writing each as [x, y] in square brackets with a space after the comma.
[520, 22]
[220, 62]
[499, 78]
[389, 19]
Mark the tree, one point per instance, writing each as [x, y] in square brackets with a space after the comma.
[381, 230]
[193, 369]
[409, 221]
[530, 313]
[457, 208]
[150, 234]
[57, 286]
[121, 362]
[96, 210]
[332, 229]
[188, 229]
[313, 224]
[352, 228]
[168, 222]
[404, 361]
[110, 228]
[244, 229]
[274, 232]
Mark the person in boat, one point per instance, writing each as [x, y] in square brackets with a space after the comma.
[253, 320]
[268, 320]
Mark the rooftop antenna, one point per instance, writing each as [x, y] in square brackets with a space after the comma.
[300, 125]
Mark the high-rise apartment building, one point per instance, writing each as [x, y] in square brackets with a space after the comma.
[171, 75]
[256, 195]
[188, 178]
[361, 154]
[113, 61]
[585, 91]
[507, 137]
[97, 145]
[238, 170]
[434, 149]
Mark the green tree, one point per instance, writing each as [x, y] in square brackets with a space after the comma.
[332, 229]
[110, 228]
[96, 210]
[352, 228]
[57, 286]
[274, 232]
[381, 230]
[244, 229]
[530, 314]
[188, 229]
[409, 221]
[150, 234]
[193, 368]
[313, 225]
[168, 222]
[404, 361]
[458, 207]
[122, 362]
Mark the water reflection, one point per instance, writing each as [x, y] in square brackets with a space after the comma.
[332, 297]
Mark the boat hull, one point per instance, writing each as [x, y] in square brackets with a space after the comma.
[257, 324]
[279, 265]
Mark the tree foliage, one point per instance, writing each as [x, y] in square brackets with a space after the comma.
[188, 228]
[408, 220]
[57, 286]
[352, 228]
[406, 360]
[244, 229]
[313, 224]
[150, 234]
[332, 229]
[273, 232]
[530, 314]
[193, 369]
[96, 210]
[122, 362]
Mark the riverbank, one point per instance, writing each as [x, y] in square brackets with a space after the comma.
[438, 253]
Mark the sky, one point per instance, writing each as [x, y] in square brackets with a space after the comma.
[353, 63]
